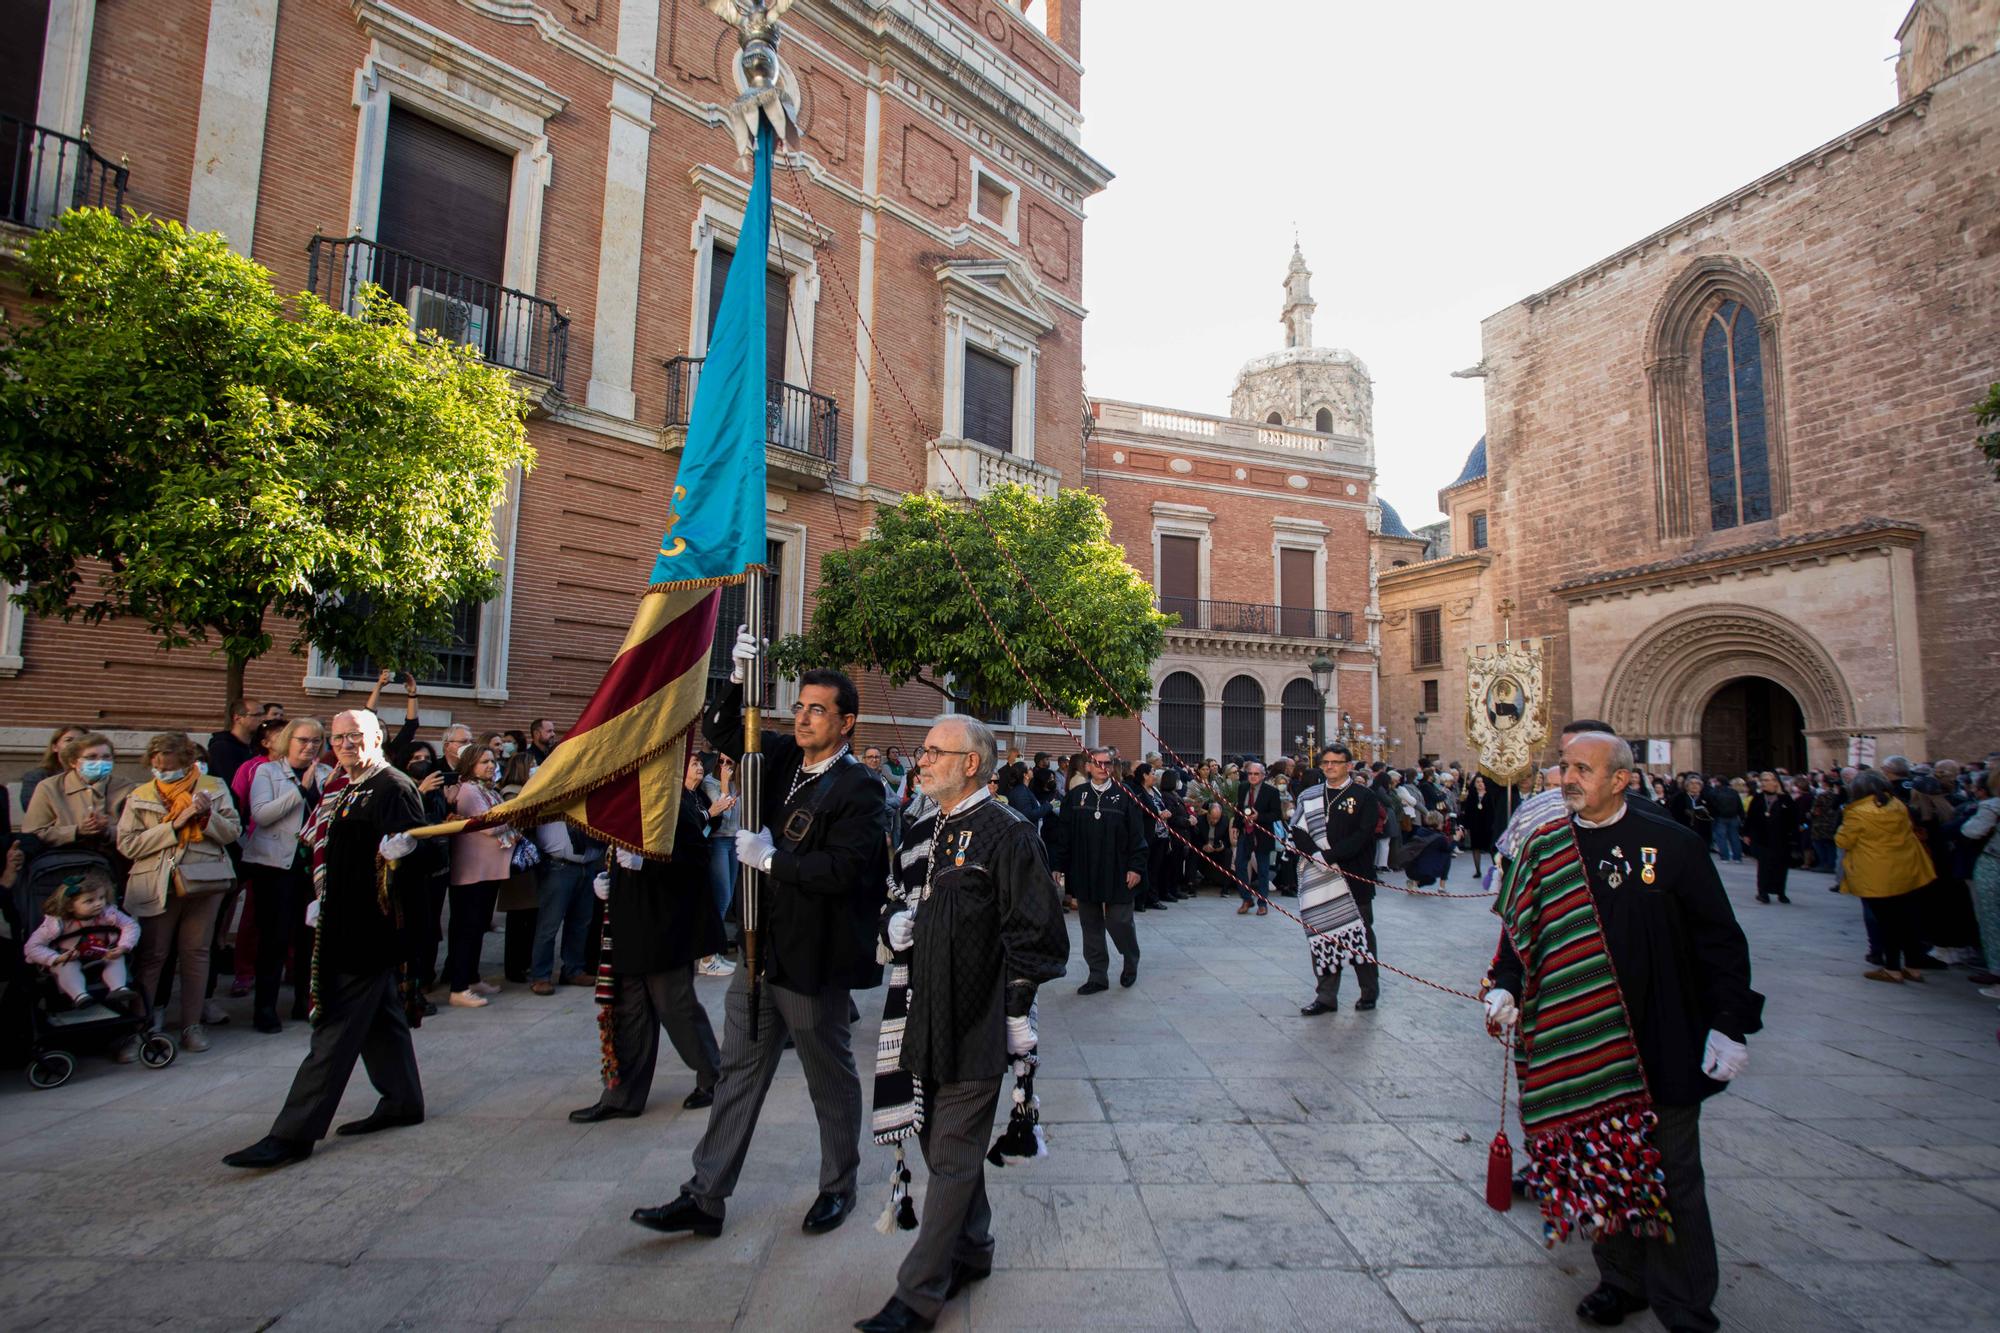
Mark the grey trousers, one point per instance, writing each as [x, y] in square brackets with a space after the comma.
[1679, 1279]
[1369, 975]
[1096, 919]
[820, 1027]
[364, 1020]
[956, 1223]
[644, 1005]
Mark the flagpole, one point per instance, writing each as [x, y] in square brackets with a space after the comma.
[750, 774]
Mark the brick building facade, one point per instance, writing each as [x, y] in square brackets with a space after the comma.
[928, 243]
[1253, 528]
[1732, 478]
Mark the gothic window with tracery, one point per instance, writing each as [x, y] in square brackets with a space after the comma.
[1732, 395]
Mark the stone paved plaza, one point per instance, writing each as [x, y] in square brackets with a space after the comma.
[1218, 1163]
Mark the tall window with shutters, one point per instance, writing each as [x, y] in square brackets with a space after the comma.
[1431, 696]
[989, 400]
[1479, 531]
[777, 308]
[444, 217]
[1180, 578]
[1427, 637]
[1295, 592]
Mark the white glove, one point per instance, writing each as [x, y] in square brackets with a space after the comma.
[742, 655]
[312, 915]
[1501, 1011]
[754, 848]
[396, 846]
[902, 930]
[630, 860]
[601, 886]
[1021, 1035]
[1723, 1059]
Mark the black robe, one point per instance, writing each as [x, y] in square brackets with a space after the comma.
[820, 898]
[1682, 963]
[1095, 839]
[990, 932]
[357, 937]
[663, 915]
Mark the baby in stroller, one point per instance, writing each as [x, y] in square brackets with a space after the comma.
[79, 929]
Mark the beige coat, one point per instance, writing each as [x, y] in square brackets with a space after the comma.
[154, 847]
[60, 803]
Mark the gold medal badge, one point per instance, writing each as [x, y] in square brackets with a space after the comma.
[1648, 856]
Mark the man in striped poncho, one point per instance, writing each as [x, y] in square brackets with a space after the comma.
[1619, 1057]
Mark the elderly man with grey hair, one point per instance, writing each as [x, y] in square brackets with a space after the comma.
[978, 921]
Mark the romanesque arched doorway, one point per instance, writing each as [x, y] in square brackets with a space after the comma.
[1731, 685]
[1752, 724]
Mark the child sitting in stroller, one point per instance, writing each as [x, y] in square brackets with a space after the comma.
[78, 928]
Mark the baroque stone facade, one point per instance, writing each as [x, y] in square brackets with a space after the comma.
[1730, 474]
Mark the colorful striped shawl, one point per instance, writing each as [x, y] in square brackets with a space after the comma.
[1584, 1105]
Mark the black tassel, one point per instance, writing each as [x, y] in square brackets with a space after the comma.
[906, 1214]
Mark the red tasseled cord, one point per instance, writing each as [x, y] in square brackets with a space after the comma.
[1500, 1174]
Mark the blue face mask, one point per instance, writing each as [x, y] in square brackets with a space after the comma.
[169, 774]
[95, 770]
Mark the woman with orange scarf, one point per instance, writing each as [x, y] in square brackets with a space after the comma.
[175, 830]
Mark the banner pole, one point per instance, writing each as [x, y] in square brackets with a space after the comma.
[750, 777]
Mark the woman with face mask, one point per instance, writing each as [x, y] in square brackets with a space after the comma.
[176, 830]
[83, 805]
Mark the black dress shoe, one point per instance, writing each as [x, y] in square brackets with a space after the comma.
[828, 1211]
[380, 1121]
[590, 1115]
[1128, 976]
[1364, 1004]
[1318, 1007]
[895, 1317]
[266, 1020]
[963, 1276]
[269, 1151]
[1608, 1306]
[683, 1214]
[699, 1098]
[1092, 987]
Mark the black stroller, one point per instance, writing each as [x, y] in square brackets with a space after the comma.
[58, 1029]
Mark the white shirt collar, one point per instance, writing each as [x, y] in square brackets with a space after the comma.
[1581, 822]
[824, 764]
[982, 794]
[1101, 787]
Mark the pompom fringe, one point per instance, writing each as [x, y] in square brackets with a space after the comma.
[900, 1213]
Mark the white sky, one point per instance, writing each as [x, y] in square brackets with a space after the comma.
[1439, 161]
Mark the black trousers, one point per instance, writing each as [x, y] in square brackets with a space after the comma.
[518, 943]
[1773, 864]
[471, 914]
[278, 897]
[1098, 919]
[956, 1224]
[364, 1021]
[644, 1005]
[1367, 974]
[423, 929]
[1678, 1278]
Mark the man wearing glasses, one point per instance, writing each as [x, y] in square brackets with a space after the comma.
[358, 1007]
[1097, 847]
[1335, 825]
[825, 855]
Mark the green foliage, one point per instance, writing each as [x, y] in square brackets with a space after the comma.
[208, 458]
[1987, 414]
[896, 602]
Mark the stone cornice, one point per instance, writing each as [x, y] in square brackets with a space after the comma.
[1211, 645]
[1869, 536]
[1849, 142]
[1440, 570]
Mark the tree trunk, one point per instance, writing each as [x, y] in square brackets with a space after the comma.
[232, 685]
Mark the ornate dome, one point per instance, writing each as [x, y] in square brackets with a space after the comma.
[1475, 464]
[1392, 522]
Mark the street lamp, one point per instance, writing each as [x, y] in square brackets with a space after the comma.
[1422, 721]
[1322, 674]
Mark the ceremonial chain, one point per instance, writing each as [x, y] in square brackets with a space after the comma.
[801, 778]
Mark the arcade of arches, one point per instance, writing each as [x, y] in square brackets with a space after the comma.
[1245, 717]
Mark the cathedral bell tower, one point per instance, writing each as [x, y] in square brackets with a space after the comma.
[1299, 304]
[1324, 389]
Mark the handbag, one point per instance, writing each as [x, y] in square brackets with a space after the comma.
[527, 855]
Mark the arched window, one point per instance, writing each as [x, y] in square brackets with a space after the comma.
[1243, 717]
[1181, 722]
[1274, 420]
[1717, 389]
[1303, 709]
[1732, 414]
[1323, 421]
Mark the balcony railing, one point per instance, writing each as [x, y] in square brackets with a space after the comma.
[50, 173]
[1285, 622]
[509, 328]
[794, 418]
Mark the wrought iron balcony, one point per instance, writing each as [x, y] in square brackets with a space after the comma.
[509, 328]
[1201, 616]
[796, 420]
[49, 173]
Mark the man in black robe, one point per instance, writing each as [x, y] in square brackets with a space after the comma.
[824, 851]
[1683, 969]
[986, 931]
[1346, 841]
[1770, 825]
[1097, 847]
[663, 919]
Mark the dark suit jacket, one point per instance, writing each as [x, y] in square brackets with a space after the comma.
[820, 898]
[1270, 810]
[1771, 833]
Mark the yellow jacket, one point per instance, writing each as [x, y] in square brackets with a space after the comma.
[1883, 858]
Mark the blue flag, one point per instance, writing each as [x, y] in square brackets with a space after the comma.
[716, 525]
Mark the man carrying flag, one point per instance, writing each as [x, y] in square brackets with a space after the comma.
[824, 848]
